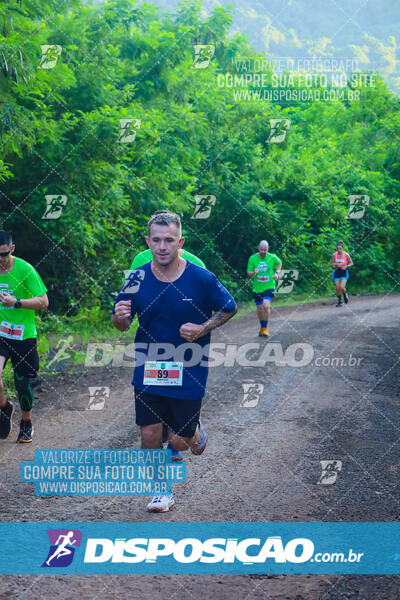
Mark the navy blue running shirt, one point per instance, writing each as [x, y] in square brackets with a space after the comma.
[161, 309]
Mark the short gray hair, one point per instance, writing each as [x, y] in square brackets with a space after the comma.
[164, 218]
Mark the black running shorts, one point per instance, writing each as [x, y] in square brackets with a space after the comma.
[340, 273]
[180, 415]
[259, 297]
[23, 354]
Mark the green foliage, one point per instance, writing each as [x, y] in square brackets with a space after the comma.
[60, 135]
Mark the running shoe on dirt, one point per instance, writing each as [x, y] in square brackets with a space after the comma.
[5, 420]
[25, 432]
[161, 503]
[346, 297]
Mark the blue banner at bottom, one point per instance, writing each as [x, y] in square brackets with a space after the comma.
[214, 548]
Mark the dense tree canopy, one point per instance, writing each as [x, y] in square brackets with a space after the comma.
[63, 134]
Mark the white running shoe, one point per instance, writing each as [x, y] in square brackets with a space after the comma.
[161, 503]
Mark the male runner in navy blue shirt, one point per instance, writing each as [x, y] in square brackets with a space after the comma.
[174, 301]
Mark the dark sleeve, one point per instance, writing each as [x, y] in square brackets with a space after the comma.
[130, 288]
[218, 296]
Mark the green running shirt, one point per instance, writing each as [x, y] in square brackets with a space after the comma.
[263, 280]
[23, 281]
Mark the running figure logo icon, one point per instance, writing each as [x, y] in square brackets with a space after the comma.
[97, 397]
[286, 281]
[279, 129]
[132, 281]
[50, 54]
[357, 206]
[128, 130]
[203, 54]
[54, 206]
[251, 394]
[330, 471]
[63, 351]
[63, 543]
[203, 206]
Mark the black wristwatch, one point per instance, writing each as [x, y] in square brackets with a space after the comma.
[18, 304]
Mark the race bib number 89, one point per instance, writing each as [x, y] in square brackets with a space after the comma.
[162, 373]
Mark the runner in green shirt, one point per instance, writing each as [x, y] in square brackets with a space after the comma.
[263, 268]
[21, 293]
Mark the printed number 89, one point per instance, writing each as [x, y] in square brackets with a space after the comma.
[162, 374]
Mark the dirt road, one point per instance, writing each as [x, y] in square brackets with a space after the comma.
[262, 462]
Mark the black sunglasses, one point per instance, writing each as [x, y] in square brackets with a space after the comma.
[4, 254]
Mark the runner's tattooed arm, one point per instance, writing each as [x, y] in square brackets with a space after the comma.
[192, 331]
[218, 319]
